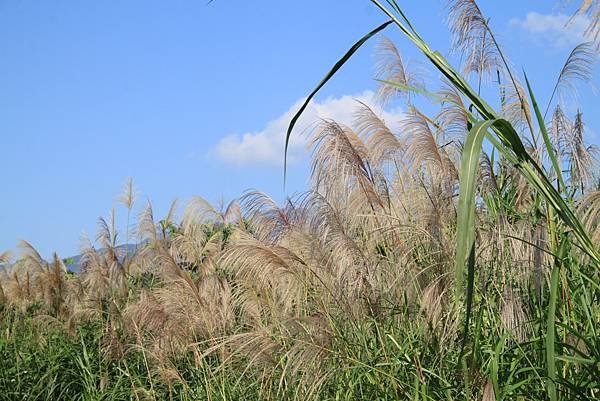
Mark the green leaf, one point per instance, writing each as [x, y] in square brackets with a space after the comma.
[469, 164]
[550, 323]
[465, 231]
[547, 142]
[413, 89]
[508, 142]
[327, 77]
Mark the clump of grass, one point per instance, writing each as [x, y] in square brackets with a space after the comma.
[419, 265]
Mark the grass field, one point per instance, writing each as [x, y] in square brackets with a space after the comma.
[455, 258]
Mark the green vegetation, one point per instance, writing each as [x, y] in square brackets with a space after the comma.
[454, 259]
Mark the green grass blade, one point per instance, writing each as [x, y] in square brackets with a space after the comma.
[547, 142]
[418, 91]
[469, 299]
[510, 144]
[550, 323]
[327, 77]
[465, 231]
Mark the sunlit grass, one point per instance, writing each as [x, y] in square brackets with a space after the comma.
[453, 259]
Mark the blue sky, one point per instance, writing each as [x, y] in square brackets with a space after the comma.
[191, 99]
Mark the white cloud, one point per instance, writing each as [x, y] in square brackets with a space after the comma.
[559, 30]
[266, 147]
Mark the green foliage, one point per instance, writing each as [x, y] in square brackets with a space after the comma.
[68, 261]
[324, 301]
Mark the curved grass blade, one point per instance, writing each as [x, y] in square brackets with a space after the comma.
[327, 77]
[509, 144]
[469, 300]
[465, 231]
[547, 142]
[550, 324]
[469, 164]
[418, 91]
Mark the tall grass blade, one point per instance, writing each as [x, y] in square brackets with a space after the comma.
[327, 77]
[547, 142]
[465, 230]
[469, 299]
[550, 323]
[509, 145]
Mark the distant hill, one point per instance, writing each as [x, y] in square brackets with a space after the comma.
[73, 263]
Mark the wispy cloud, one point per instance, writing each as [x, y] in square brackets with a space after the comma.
[560, 30]
[266, 147]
